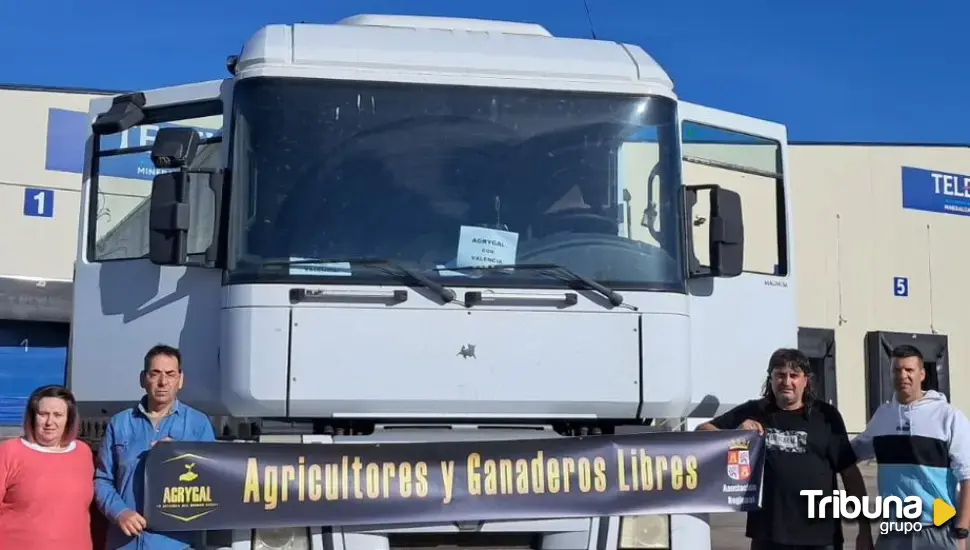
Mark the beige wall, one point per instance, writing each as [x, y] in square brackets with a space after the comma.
[854, 236]
[34, 157]
[36, 246]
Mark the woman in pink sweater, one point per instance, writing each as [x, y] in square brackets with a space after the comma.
[46, 478]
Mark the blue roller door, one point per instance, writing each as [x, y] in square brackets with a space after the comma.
[32, 354]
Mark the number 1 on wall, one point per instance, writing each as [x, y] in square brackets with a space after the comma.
[39, 203]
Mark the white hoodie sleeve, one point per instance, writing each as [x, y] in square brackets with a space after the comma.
[959, 444]
[862, 444]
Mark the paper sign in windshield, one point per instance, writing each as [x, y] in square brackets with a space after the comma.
[322, 268]
[483, 247]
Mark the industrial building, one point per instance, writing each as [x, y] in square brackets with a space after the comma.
[40, 180]
[874, 227]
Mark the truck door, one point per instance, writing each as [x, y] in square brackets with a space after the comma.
[124, 304]
[737, 322]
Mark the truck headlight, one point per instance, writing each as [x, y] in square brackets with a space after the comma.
[642, 532]
[290, 538]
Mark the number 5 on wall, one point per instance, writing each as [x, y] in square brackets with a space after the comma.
[901, 286]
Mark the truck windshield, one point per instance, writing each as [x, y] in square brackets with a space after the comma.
[436, 177]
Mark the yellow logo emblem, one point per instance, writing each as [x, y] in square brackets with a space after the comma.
[942, 512]
[190, 499]
[189, 476]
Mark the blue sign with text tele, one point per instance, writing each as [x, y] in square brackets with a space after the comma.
[935, 191]
[67, 134]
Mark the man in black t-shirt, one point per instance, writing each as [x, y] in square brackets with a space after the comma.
[806, 446]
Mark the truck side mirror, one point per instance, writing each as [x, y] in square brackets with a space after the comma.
[725, 231]
[168, 219]
[175, 147]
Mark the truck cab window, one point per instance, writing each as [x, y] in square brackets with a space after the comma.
[122, 185]
[330, 170]
[751, 167]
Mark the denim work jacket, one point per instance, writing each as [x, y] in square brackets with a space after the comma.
[119, 480]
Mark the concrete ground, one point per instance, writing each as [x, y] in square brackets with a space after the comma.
[727, 530]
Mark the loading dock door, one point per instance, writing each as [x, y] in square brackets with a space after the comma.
[819, 345]
[32, 354]
[879, 346]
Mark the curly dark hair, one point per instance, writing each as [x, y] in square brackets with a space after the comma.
[796, 360]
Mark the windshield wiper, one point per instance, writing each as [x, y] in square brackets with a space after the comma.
[404, 274]
[575, 280]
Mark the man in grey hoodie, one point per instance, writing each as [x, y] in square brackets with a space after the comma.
[921, 445]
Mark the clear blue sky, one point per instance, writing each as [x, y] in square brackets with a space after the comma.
[832, 70]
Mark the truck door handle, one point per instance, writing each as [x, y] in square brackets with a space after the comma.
[301, 295]
[477, 297]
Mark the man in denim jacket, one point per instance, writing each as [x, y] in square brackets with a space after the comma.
[119, 477]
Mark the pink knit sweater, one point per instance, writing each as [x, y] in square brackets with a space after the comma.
[45, 497]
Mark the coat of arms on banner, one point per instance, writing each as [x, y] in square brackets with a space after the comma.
[739, 461]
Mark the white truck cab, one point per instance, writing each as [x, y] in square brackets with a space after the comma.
[427, 229]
